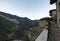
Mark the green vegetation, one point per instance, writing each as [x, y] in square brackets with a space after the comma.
[7, 27]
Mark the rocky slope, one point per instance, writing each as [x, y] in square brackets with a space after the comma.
[13, 27]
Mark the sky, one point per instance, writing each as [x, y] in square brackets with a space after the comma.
[33, 9]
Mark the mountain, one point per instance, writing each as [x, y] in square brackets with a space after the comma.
[13, 27]
[23, 21]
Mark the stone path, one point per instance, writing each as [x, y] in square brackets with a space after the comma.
[42, 36]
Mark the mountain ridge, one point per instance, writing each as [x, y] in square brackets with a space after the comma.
[24, 21]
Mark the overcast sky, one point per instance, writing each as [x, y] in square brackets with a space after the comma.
[33, 9]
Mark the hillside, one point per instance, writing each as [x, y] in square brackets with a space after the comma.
[22, 20]
[13, 27]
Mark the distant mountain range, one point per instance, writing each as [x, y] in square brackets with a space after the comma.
[23, 21]
[13, 27]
